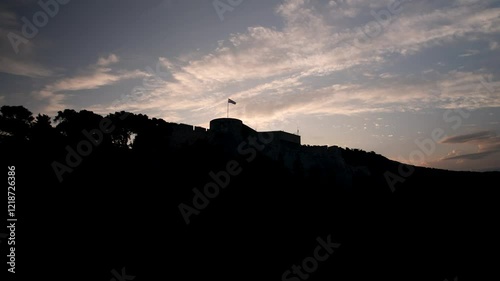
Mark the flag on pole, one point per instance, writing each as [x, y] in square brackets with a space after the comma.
[231, 101]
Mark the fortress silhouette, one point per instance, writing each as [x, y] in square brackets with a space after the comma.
[283, 147]
[230, 129]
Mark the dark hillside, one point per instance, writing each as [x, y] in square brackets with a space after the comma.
[123, 204]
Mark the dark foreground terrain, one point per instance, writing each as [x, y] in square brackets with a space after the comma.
[117, 211]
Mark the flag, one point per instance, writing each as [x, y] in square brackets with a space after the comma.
[231, 101]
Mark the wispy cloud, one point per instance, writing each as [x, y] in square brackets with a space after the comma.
[94, 77]
[387, 75]
[23, 68]
[306, 67]
[469, 137]
[273, 72]
[488, 143]
[24, 64]
[470, 53]
[111, 59]
[473, 156]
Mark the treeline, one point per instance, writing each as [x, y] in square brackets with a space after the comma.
[19, 125]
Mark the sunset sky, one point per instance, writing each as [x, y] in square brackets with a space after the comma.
[415, 81]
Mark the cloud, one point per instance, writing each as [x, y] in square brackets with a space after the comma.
[23, 68]
[470, 53]
[468, 89]
[387, 75]
[469, 137]
[94, 77]
[306, 67]
[421, 25]
[94, 80]
[111, 59]
[23, 63]
[473, 156]
[488, 143]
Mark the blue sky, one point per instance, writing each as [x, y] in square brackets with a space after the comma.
[415, 81]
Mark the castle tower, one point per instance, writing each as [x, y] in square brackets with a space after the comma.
[227, 126]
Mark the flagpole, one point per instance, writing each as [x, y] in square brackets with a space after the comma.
[228, 109]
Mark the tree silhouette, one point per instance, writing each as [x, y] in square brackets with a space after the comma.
[16, 121]
[120, 136]
[71, 123]
[42, 131]
[65, 121]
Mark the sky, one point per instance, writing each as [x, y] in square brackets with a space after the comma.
[414, 81]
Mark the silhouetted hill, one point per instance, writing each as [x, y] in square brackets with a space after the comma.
[90, 202]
